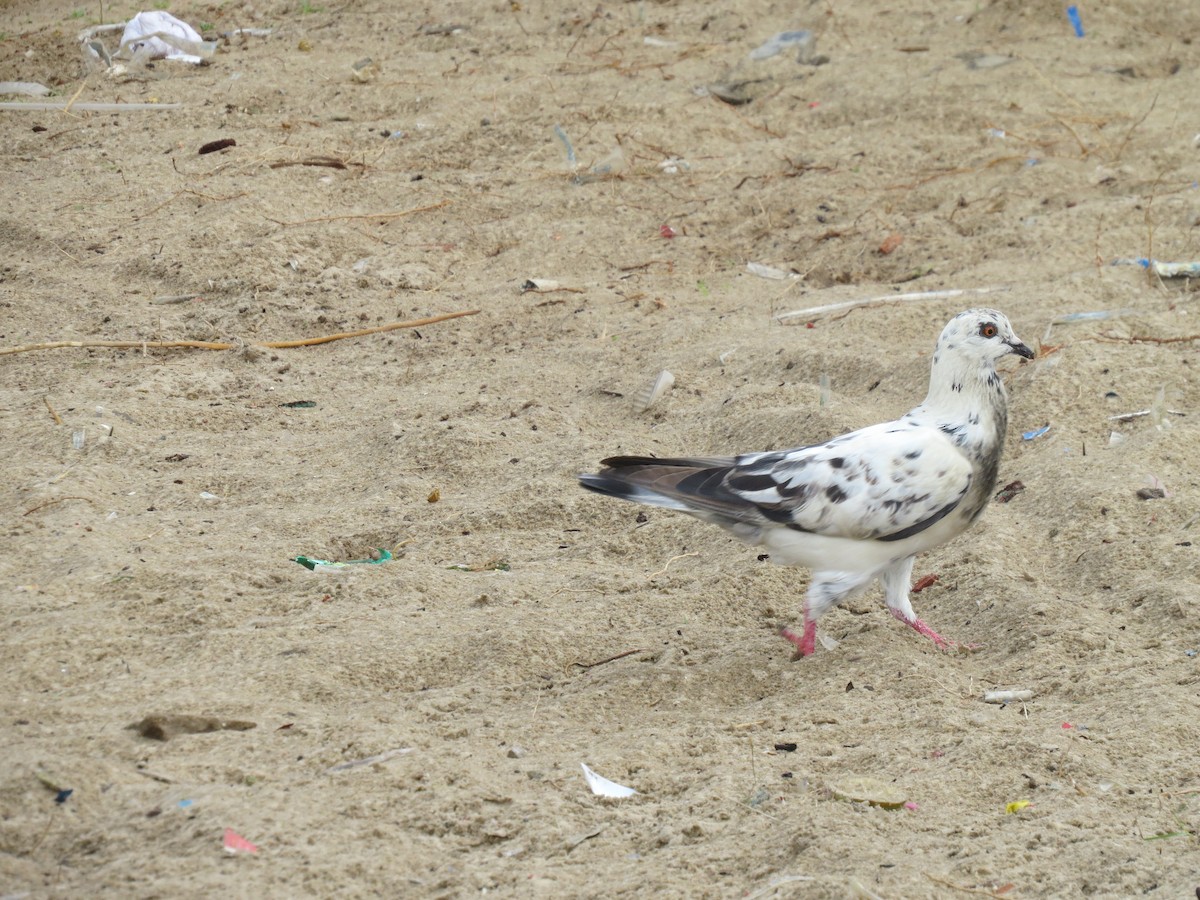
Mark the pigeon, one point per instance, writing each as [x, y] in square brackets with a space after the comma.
[863, 505]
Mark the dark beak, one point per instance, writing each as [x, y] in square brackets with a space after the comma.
[1020, 349]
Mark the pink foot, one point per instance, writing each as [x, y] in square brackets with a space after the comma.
[940, 642]
[805, 643]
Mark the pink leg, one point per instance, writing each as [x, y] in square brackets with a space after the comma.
[917, 625]
[805, 643]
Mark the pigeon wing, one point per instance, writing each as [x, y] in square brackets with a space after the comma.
[886, 482]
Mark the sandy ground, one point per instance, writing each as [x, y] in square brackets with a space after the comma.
[149, 571]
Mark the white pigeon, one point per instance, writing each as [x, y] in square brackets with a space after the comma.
[863, 505]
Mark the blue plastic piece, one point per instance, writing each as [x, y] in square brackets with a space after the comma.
[1076, 21]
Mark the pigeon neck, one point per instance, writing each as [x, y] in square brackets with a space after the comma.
[962, 387]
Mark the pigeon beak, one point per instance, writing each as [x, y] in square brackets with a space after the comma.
[1020, 349]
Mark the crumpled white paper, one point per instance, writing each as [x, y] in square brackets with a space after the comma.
[159, 35]
[602, 787]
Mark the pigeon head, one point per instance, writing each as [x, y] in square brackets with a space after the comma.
[981, 334]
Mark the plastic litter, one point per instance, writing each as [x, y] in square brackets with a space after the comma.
[663, 382]
[1006, 697]
[1094, 316]
[566, 142]
[159, 35]
[1016, 806]
[802, 41]
[1035, 433]
[602, 787]
[865, 789]
[1162, 269]
[324, 565]
[1076, 20]
[27, 88]
[235, 843]
[370, 760]
[364, 70]
[764, 271]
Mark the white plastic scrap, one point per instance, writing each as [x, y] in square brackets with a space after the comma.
[1003, 697]
[159, 35]
[602, 787]
[662, 383]
[764, 271]
[28, 88]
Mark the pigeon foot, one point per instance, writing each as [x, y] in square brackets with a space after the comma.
[806, 643]
[940, 642]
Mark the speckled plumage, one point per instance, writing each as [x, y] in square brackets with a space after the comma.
[860, 506]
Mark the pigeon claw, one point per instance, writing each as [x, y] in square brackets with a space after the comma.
[805, 643]
[940, 642]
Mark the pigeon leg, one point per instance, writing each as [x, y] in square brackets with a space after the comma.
[826, 590]
[896, 579]
[805, 643]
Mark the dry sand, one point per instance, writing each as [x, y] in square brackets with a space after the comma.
[150, 572]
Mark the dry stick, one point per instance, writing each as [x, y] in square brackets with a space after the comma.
[57, 420]
[1133, 128]
[1142, 339]
[308, 342]
[392, 215]
[610, 659]
[961, 887]
[52, 502]
[1150, 224]
[329, 162]
[75, 96]
[668, 565]
[1082, 147]
[119, 345]
[212, 345]
[817, 311]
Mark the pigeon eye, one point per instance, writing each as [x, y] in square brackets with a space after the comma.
[988, 330]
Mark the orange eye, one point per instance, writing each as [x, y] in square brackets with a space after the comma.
[987, 329]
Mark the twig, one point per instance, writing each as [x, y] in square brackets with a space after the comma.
[121, 345]
[668, 565]
[610, 659]
[414, 323]
[1132, 128]
[391, 215]
[42, 836]
[52, 502]
[213, 345]
[57, 420]
[370, 760]
[960, 887]
[329, 162]
[778, 882]
[1143, 339]
[75, 96]
[59, 105]
[818, 311]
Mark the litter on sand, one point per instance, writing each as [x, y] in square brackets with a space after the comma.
[817, 311]
[874, 791]
[602, 787]
[324, 565]
[1004, 697]
[370, 760]
[662, 383]
[1162, 269]
[235, 843]
[159, 35]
